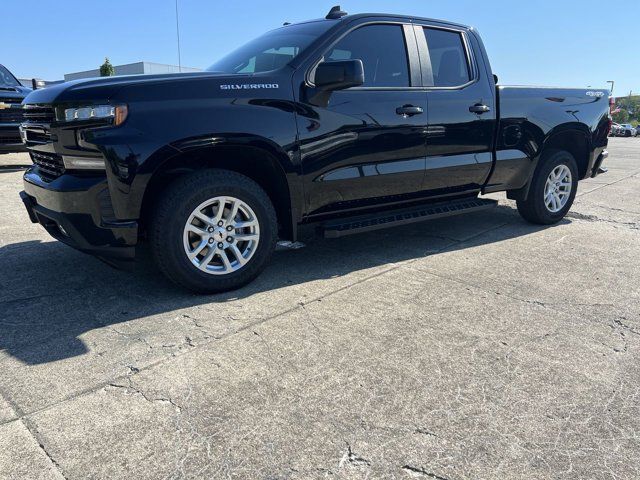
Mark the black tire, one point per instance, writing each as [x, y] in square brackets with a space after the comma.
[174, 209]
[533, 209]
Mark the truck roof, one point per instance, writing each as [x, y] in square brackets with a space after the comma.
[386, 16]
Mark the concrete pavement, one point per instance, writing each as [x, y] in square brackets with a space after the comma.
[476, 347]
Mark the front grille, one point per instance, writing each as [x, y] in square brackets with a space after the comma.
[38, 113]
[13, 114]
[9, 138]
[49, 164]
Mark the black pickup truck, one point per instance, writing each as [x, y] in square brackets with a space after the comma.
[349, 123]
[11, 95]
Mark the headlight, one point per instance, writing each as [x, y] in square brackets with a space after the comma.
[116, 112]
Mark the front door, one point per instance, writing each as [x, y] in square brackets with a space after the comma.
[367, 146]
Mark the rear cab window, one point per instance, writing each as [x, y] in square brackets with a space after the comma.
[448, 55]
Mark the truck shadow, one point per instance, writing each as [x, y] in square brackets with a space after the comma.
[50, 295]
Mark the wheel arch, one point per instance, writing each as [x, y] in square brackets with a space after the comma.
[574, 138]
[257, 159]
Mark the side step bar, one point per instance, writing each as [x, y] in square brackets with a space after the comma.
[392, 218]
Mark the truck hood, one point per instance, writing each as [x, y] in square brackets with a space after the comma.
[103, 89]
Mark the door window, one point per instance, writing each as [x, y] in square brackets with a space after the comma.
[382, 51]
[448, 58]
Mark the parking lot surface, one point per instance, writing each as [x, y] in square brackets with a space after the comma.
[476, 347]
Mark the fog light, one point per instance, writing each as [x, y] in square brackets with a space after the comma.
[83, 163]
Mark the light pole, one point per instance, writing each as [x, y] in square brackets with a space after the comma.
[178, 35]
[612, 84]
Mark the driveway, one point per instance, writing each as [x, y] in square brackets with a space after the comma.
[476, 347]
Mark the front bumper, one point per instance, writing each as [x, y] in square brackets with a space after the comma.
[12, 147]
[77, 211]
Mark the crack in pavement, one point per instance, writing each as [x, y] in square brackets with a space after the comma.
[137, 391]
[421, 472]
[594, 218]
[624, 326]
[350, 458]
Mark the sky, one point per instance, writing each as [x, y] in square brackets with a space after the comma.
[573, 43]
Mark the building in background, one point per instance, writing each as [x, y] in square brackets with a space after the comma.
[138, 68]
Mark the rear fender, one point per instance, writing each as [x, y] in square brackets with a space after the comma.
[572, 137]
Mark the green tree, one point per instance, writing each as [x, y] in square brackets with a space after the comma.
[106, 69]
[622, 116]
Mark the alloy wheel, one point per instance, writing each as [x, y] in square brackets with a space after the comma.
[557, 189]
[221, 235]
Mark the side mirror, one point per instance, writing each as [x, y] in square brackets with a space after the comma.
[339, 74]
[36, 83]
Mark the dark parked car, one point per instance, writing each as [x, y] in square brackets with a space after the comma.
[11, 95]
[349, 123]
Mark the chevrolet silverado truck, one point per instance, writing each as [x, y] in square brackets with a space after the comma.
[11, 95]
[348, 123]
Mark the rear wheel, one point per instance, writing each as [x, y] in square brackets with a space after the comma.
[553, 189]
[213, 231]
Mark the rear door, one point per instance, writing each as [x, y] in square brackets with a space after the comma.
[367, 146]
[461, 108]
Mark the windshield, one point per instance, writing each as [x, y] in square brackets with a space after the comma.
[6, 79]
[271, 51]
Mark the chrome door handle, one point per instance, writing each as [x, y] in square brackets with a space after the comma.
[409, 110]
[479, 108]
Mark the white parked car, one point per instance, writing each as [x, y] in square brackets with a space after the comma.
[627, 130]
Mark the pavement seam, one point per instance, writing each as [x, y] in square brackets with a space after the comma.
[22, 418]
[540, 303]
[36, 437]
[608, 184]
[13, 405]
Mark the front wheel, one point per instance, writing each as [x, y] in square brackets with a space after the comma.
[213, 231]
[553, 189]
